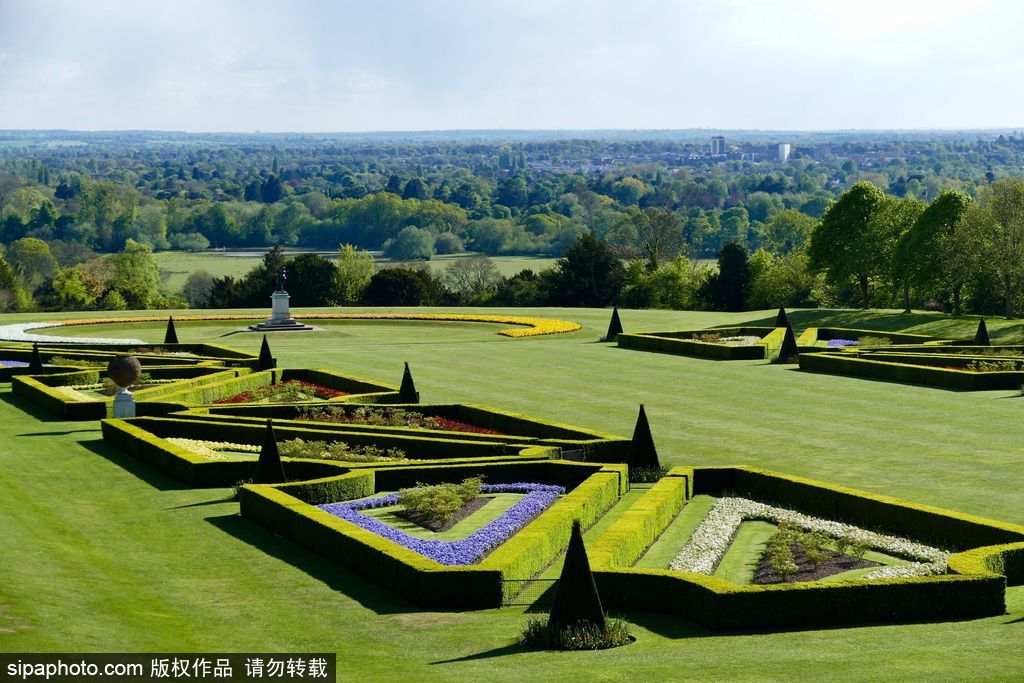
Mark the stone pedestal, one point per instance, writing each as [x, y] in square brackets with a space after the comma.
[124, 403]
[280, 319]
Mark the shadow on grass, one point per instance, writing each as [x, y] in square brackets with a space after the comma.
[203, 503]
[92, 430]
[154, 478]
[367, 594]
[29, 407]
[504, 650]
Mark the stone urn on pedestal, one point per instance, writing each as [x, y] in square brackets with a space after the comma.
[124, 371]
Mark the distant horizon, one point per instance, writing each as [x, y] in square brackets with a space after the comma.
[979, 129]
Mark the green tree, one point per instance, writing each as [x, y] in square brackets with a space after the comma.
[998, 229]
[850, 243]
[896, 217]
[409, 244]
[196, 289]
[32, 261]
[935, 251]
[395, 287]
[788, 230]
[729, 288]
[589, 275]
[654, 234]
[353, 271]
[70, 290]
[136, 275]
[414, 189]
[472, 278]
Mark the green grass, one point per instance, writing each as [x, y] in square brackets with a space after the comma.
[497, 504]
[744, 553]
[874, 556]
[664, 550]
[178, 265]
[103, 553]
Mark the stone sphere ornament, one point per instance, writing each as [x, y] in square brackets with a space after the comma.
[124, 370]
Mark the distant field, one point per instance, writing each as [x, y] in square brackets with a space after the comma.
[178, 265]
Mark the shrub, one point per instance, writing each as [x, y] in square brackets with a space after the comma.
[437, 504]
[870, 340]
[579, 636]
[338, 450]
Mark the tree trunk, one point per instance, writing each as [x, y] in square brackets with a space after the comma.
[956, 300]
[1008, 299]
[906, 298]
[864, 291]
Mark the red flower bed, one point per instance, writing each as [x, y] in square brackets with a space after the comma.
[292, 391]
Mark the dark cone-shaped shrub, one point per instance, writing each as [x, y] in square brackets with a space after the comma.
[35, 365]
[576, 598]
[269, 468]
[981, 336]
[782, 320]
[407, 392]
[614, 326]
[642, 453]
[171, 335]
[789, 348]
[266, 361]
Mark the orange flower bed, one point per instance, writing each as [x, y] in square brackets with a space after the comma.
[531, 326]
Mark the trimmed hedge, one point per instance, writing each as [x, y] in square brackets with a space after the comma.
[158, 400]
[513, 427]
[682, 343]
[144, 438]
[638, 528]
[936, 526]
[808, 340]
[975, 590]
[419, 579]
[886, 370]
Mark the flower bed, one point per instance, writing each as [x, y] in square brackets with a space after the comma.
[292, 448]
[712, 538]
[841, 343]
[389, 417]
[290, 391]
[469, 550]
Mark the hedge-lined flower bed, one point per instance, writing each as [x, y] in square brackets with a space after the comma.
[531, 327]
[469, 550]
[289, 391]
[713, 537]
[389, 417]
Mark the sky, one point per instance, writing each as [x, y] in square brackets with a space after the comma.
[341, 65]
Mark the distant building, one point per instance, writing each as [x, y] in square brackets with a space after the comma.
[717, 145]
[784, 151]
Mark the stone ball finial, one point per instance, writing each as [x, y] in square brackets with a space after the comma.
[124, 370]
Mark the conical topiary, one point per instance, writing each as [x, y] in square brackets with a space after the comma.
[614, 326]
[576, 598]
[269, 468]
[35, 365]
[642, 453]
[266, 361]
[782, 320]
[170, 336]
[981, 336]
[407, 392]
[789, 348]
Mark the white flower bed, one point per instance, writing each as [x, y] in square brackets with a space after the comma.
[739, 341]
[213, 450]
[712, 538]
[21, 332]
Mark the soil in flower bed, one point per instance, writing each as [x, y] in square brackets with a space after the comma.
[837, 563]
[292, 391]
[467, 509]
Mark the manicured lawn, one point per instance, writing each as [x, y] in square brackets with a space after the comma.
[102, 553]
[678, 533]
[744, 554]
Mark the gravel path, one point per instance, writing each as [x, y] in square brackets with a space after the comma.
[22, 332]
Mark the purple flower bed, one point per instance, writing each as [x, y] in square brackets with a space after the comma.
[840, 343]
[538, 498]
[13, 364]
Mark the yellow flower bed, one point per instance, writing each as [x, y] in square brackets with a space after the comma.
[532, 327]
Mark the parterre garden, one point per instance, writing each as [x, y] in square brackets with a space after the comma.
[690, 546]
